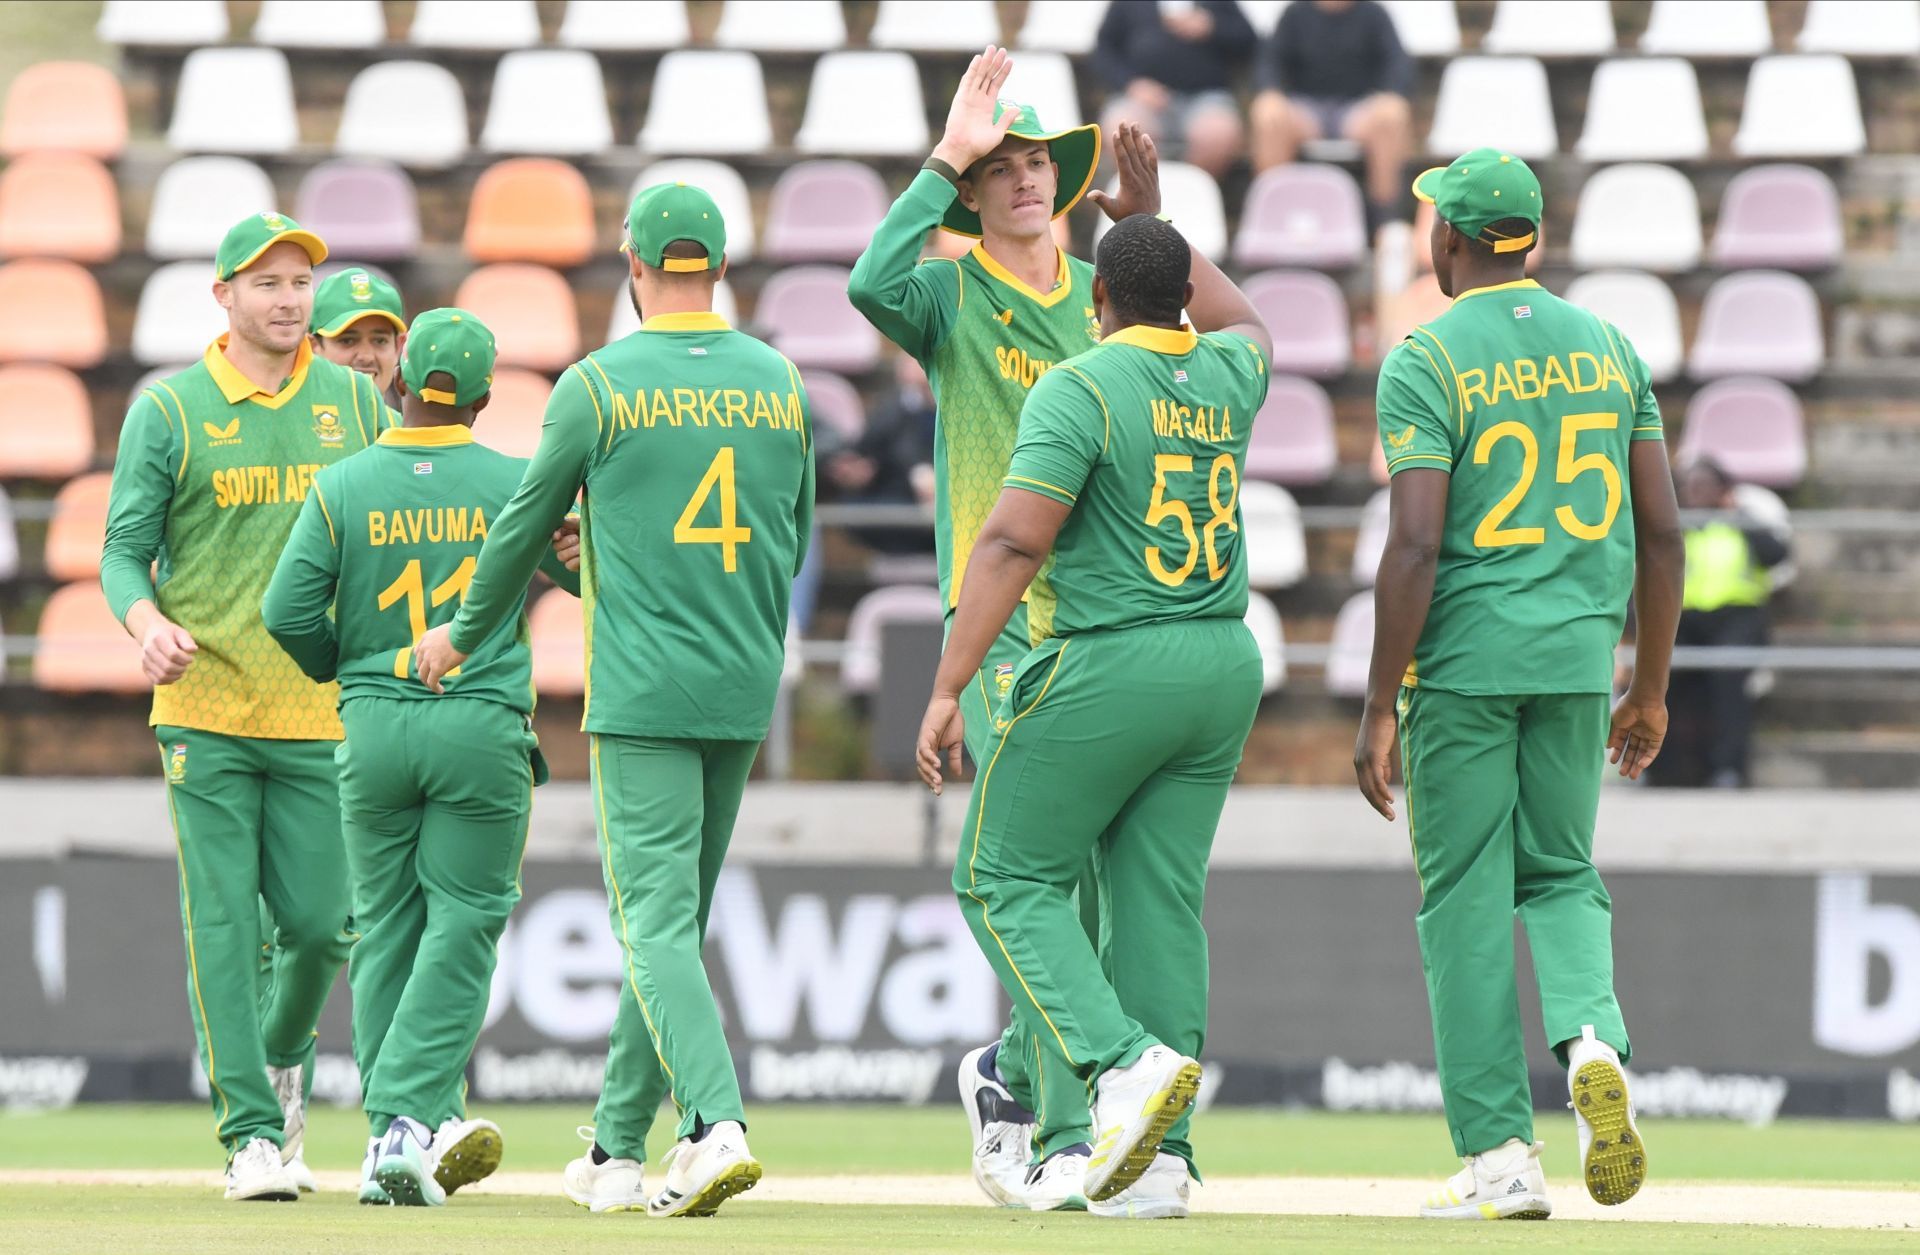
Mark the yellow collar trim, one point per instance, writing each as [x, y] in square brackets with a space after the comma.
[692, 320]
[427, 437]
[1498, 287]
[236, 387]
[1062, 282]
[1157, 339]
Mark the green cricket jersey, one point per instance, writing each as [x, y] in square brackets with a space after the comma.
[208, 480]
[689, 446]
[384, 549]
[1530, 404]
[1145, 437]
[984, 337]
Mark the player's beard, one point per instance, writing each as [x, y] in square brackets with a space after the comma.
[633, 297]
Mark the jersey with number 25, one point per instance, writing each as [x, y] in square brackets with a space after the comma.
[1530, 404]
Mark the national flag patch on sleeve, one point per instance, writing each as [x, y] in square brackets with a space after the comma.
[1523, 311]
[423, 468]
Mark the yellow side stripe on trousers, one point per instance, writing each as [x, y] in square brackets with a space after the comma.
[986, 777]
[193, 971]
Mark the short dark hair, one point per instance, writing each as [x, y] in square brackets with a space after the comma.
[1145, 263]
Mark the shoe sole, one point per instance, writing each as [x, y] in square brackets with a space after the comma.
[472, 1158]
[286, 1195]
[1616, 1159]
[601, 1209]
[1166, 1106]
[734, 1179]
[1533, 1209]
[404, 1186]
[1140, 1211]
[371, 1195]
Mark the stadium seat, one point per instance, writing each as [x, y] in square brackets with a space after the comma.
[1191, 197]
[898, 603]
[177, 316]
[364, 210]
[1396, 314]
[318, 24]
[1759, 322]
[1752, 427]
[78, 529]
[1644, 109]
[196, 201]
[1801, 106]
[1302, 215]
[59, 205]
[162, 23]
[720, 181]
[805, 314]
[1263, 15]
[531, 312]
[680, 113]
[625, 25]
[1069, 26]
[1551, 28]
[151, 376]
[1643, 308]
[9, 543]
[1499, 102]
[1780, 215]
[51, 311]
[82, 648]
[1263, 620]
[1644, 216]
[824, 211]
[624, 322]
[1427, 28]
[212, 80]
[459, 24]
[1276, 540]
[950, 26]
[1370, 541]
[1350, 652]
[557, 628]
[65, 106]
[833, 403]
[1045, 81]
[1293, 440]
[511, 421]
[841, 116]
[1307, 314]
[1707, 28]
[46, 423]
[1862, 28]
[781, 25]
[533, 209]
[548, 100]
[411, 112]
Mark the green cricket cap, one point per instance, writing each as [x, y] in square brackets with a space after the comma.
[347, 297]
[254, 235]
[667, 212]
[454, 341]
[1076, 152]
[1480, 188]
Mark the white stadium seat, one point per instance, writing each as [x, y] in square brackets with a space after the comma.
[550, 101]
[1801, 106]
[1263, 620]
[781, 25]
[1275, 538]
[1045, 81]
[1191, 198]
[1264, 15]
[411, 112]
[177, 317]
[625, 25]
[625, 322]
[1643, 307]
[213, 81]
[1645, 216]
[1370, 542]
[1062, 25]
[1350, 653]
[196, 200]
[681, 117]
[1552, 28]
[1707, 28]
[321, 24]
[1645, 109]
[718, 180]
[949, 26]
[1862, 28]
[842, 116]
[1427, 28]
[462, 24]
[1497, 102]
[152, 23]
[893, 603]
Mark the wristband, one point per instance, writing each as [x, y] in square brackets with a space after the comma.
[942, 169]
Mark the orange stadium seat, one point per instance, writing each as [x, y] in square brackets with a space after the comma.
[46, 423]
[557, 625]
[78, 530]
[65, 106]
[531, 312]
[532, 209]
[59, 205]
[82, 648]
[50, 311]
[511, 423]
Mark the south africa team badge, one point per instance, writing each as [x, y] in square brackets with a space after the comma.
[326, 424]
[1003, 676]
[177, 764]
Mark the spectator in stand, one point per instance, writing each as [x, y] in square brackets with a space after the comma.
[1170, 67]
[892, 462]
[1334, 69]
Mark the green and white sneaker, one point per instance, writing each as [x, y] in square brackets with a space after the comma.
[406, 1164]
[371, 1192]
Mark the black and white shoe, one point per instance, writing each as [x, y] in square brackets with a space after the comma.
[1002, 1128]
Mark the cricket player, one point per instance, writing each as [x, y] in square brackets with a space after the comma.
[1123, 727]
[1530, 498]
[360, 323]
[212, 467]
[986, 327]
[688, 443]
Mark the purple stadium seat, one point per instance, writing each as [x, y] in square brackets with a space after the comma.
[806, 315]
[1293, 437]
[833, 403]
[1351, 650]
[1759, 322]
[1302, 215]
[1307, 314]
[898, 603]
[365, 210]
[824, 211]
[1779, 215]
[1752, 427]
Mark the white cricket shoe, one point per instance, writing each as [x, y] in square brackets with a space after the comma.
[616, 1185]
[1613, 1159]
[1058, 1182]
[1505, 1183]
[371, 1192]
[1159, 1194]
[1002, 1128]
[255, 1174]
[704, 1174]
[289, 1086]
[465, 1151]
[301, 1175]
[1133, 1108]
[405, 1167]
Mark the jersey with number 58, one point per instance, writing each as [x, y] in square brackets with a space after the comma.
[1530, 404]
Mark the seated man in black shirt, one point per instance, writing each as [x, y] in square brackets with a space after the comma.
[1169, 66]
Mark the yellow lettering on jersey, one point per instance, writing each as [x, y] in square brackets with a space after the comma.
[1016, 366]
[1474, 383]
[1592, 382]
[433, 526]
[759, 413]
[660, 408]
[376, 528]
[1610, 374]
[736, 401]
[786, 411]
[623, 412]
[709, 407]
[685, 406]
[1526, 378]
[1502, 379]
[1554, 375]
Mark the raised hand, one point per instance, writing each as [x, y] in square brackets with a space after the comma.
[1138, 163]
[971, 131]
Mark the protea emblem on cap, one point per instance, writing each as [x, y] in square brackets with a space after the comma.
[274, 221]
[361, 286]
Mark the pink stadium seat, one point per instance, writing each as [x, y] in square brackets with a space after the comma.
[51, 311]
[531, 312]
[1759, 322]
[898, 603]
[835, 404]
[1351, 650]
[364, 210]
[59, 205]
[78, 530]
[1779, 215]
[82, 648]
[1307, 314]
[46, 423]
[1302, 215]
[824, 211]
[805, 314]
[1293, 439]
[556, 624]
[511, 422]
[1752, 427]
[536, 209]
[65, 106]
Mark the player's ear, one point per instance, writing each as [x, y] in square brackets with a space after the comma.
[223, 293]
[482, 403]
[633, 265]
[1186, 297]
[723, 268]
[400, 346]
[400, 384]
[965, 190]
[1100, 294]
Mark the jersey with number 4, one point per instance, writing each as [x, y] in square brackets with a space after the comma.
[1530, 404]
[1146, 438]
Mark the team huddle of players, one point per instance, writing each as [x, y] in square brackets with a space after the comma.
[330, 600]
